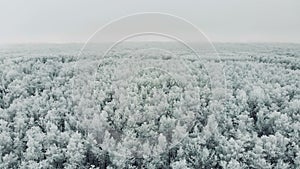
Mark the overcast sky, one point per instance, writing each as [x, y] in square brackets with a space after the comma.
[57, 21]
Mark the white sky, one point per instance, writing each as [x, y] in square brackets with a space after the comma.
[58, 21]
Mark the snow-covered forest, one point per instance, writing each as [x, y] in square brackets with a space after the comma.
[61, 110]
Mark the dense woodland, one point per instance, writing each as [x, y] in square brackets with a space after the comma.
[56, 112]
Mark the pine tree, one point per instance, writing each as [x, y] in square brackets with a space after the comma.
[75, 152]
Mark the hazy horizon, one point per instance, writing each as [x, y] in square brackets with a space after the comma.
[223, 22]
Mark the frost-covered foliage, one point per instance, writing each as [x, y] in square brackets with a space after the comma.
[58, 110]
